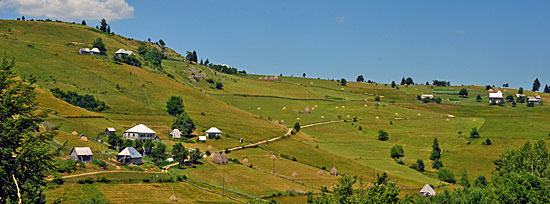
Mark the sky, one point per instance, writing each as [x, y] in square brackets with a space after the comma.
[465, 42]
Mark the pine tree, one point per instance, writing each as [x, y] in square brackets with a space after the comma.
[393, 84]
[436, 151]
[546, 89]
[83, 22]
[103, 25]
[207, 62]
[403, 82]
[536, 84]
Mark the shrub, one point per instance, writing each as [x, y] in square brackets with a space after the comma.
[103, 179]
[65, 166]
[86, 101]
[383, 135]
[474, 133]
[437, 164]
[297, 126]
[399, 161]
[397, 152]
[487, 142]
[100, 163]
[57, 179]
[219, 85]
[88, 180]
[132, 60]
[445, 174]
[181, 178]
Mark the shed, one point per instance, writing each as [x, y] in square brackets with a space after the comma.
[202, 138]
[427, 190]
[213, 132]
[84, 51]
[95, 51]
[109, 131]
[175, 133]
[82, 154]
[129, 155]
[430, 96]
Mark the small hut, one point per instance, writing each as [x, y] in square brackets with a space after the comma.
[129, 155]
[82, 154]
[333, 171]
[175, 133]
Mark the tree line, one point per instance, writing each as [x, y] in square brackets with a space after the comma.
[85, 101]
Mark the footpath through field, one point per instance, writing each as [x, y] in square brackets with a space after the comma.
[110, 171]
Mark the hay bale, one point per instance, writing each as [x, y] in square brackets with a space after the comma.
[377, 118]
[320, 173]
[74, 133]
[273, 157]
[418, 114]
[396, 113]
[347, 116]
[259, 108]
[298, 118]
[366, 105]
[282, 121]
[294, 174]
[315, 106]
[84, 138]
[474, 120]
[337, 107]
[333, 171]
[284, 107]
[245, 161]
[307, 110]
[322, 116]
[343, 107]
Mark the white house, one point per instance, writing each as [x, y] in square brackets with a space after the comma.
[496, 97]
[520, 95]
[95, 51]
[534, 100]
[82, 154]
[129, 155]
[175, 133]
[427, 190]
[140, 132]
[121, 52]
[430, 96]
[213, 132]
[84, 51]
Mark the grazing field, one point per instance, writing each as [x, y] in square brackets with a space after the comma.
[339, 123]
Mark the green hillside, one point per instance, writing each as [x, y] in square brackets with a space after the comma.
[343, 133]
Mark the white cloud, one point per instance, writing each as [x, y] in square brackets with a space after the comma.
[460, 32]
[111, 10]
[341, 19]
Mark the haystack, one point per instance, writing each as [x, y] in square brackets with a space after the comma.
[320, 173]
[284, 107]
[216, 158]
[84, 138]
[273, 157]
[259, 108]
[333, 171]
[74, 133]
[322, 116]
[294, 174]
[245, 161]
[337, 107]
[298, 118]
[173, 198]
[343, 107]
[224, 158]
[210, 147]
[307, 110]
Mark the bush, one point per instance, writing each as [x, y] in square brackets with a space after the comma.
[487, 142]
[297, 126]
[397, 152]
[88, 180]
[100, 163]
[474, 133]
[219, 85]
[383, 135]
[65, 165]
[399, 161]
[130, 60]
[437, 164]
[445, 174]
[103, 179]
[181, 178]
[57, 179]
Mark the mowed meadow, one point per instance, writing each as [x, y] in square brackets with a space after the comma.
[339, 123]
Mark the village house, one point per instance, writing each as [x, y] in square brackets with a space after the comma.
[84, 51]
[213, 132]
[176, 134]
[82, 154]
[123, 52]
[430, 96]
[520, 95]
[129, 155]
[139, 132]
[533, 99]
[95, 51]
[109, 131]
[202, 138]
[427, 190]
[496, 97]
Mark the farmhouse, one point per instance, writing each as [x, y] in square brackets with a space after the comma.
[532, 99]
[496, 97]
[82, 154]
[430, 96]
[121, 52]
[427, 190]
[213, 132]
[175, 133]
[129, 155]
[109, 131]
[140, 132]
[84, 51]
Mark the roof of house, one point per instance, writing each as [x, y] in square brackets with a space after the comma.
[141, 129]
[111, 129]
[131, 152]
[84, 50]
[175, 132]
[214, 130]
[427, 190]
[495, 95]
[538, 97]
[95, 49]
[533, 99]
[123, 51]
[202, 138]
[82, 151]
[520, 95]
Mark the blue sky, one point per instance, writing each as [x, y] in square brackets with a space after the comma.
[465, 42]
